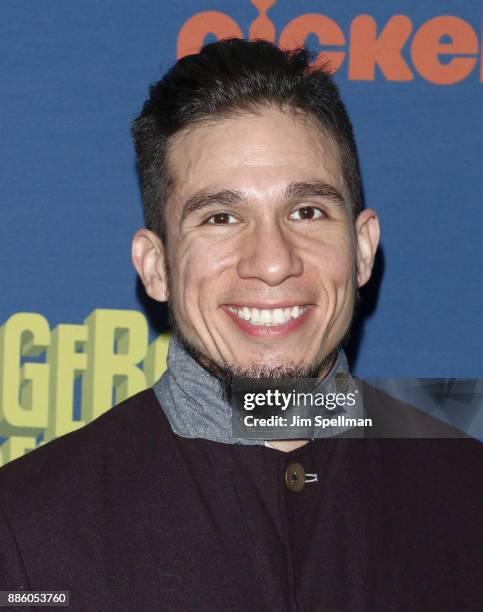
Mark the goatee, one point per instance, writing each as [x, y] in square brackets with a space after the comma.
[233, 375]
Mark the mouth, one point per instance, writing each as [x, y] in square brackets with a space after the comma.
[268, 317]
[274, 321]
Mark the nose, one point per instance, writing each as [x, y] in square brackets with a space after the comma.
[269, 255]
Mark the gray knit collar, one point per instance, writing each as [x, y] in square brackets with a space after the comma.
[193, 401]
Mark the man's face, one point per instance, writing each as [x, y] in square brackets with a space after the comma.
[262, 248]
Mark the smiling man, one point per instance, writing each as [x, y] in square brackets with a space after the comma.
[261, 243]
[265, 248]
[256, 237]
[265, 245]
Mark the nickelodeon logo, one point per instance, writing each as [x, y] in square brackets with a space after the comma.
[444, 50]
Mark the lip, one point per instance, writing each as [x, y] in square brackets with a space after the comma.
[263, 331]
[266, 305]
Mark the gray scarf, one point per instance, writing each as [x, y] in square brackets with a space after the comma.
[193, 401]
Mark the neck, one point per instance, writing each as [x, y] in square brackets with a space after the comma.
[193, 399]
[285, 445]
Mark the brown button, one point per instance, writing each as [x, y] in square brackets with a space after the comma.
[295, 477]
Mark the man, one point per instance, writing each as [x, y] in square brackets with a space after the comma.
[256, 236]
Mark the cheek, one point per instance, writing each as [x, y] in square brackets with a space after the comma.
[335, 265]
[197, 268]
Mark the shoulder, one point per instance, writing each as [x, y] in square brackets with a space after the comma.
[415, 452]
[393, 418]
[79, 457]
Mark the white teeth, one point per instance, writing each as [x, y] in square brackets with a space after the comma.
[267, 316]
[278, 316]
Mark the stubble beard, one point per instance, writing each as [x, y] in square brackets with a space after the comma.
[230, 374]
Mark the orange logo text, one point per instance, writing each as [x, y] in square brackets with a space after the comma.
[443, 50]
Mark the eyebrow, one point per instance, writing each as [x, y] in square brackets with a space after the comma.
[311, 189]
[294, 191]
[203, 199]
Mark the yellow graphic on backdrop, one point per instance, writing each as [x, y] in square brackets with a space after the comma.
[40, 368]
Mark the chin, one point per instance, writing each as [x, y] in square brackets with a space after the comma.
[271, 368]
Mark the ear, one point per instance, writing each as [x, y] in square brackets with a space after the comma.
[148, 257]
[367, 239]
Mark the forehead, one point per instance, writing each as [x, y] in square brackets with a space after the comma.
[261, 152]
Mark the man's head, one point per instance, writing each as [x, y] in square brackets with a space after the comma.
[252, 198]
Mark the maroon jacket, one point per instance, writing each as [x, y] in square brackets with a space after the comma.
[126, 515]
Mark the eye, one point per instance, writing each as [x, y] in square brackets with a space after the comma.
[221, 218]
[307, 213]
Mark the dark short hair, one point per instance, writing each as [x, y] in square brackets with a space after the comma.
[227, 77]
